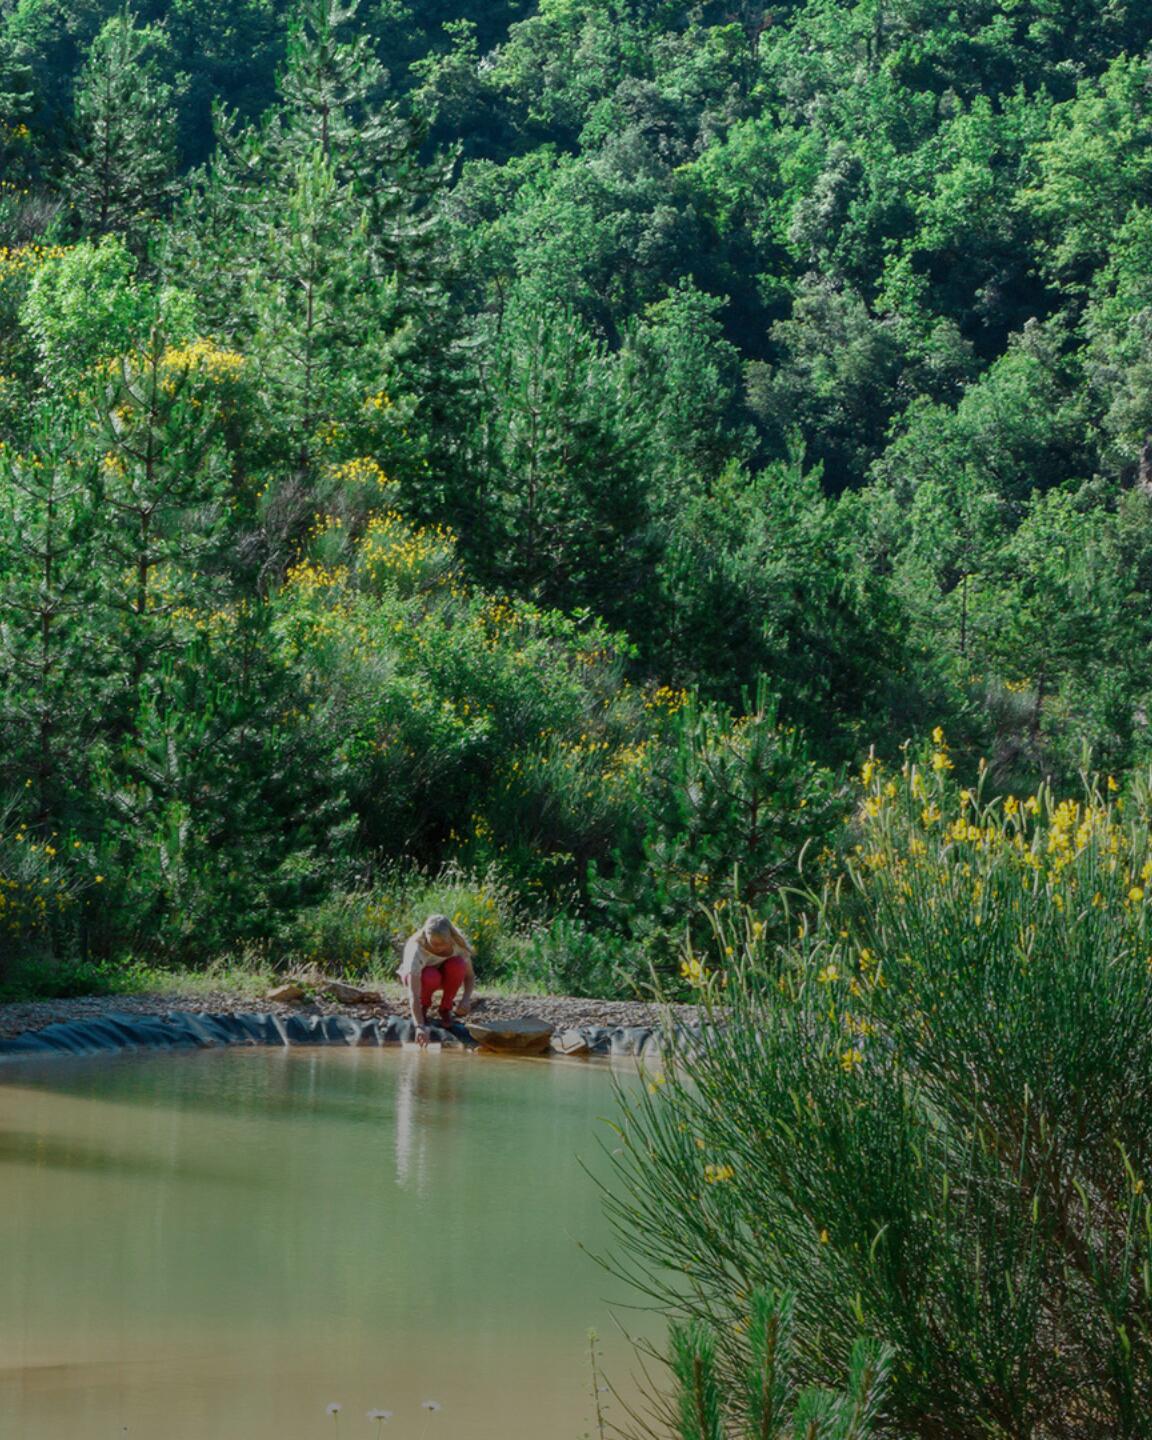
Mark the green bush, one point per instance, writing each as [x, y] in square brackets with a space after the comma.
[764, 1402]
[566, 957]
[45, 886]
[363, 932]
[930, 1115]
[728, 807]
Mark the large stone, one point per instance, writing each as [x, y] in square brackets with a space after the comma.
[571, 1042]
[287, 994]
[527, 1035]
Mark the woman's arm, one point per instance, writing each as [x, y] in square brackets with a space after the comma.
[416, 1004]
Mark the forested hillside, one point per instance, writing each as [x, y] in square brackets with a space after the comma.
[522, 457]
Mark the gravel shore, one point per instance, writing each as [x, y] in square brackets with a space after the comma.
[563, 1011]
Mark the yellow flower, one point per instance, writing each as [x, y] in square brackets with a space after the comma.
[828, 974]
[941, 761]
[1135, 894]
[850, 1059]
[718, 1174]
[938, 735]
[1112, 785]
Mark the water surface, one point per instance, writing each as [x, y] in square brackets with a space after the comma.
[221, 1244]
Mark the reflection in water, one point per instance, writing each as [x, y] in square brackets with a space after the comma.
[218, 1245]
[417, 1073]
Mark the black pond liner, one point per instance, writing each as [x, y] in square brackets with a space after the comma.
[182, 1030]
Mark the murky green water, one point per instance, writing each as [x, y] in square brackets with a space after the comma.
[220, 1245]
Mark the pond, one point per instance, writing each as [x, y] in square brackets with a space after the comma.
[222, 1244]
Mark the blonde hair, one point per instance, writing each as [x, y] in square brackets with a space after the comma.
[438, 925]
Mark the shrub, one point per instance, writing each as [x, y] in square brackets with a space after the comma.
[465, 724]
[764, 1402]
[42, 885]
[729, 807]
[930, 1114]
[363, 932]
[566, 957]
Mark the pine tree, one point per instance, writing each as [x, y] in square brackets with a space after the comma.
[565, 497]
[50, 652]
[319, 233]
[163, 486]
[17, 101]
[121, 174]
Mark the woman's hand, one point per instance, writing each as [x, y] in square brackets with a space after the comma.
[422, 1035]
[463, 1007]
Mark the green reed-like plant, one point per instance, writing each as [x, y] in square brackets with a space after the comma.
[769, 1405]
[930, 1115]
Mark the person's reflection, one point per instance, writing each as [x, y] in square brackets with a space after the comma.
[426, 1106]
[411, 1150]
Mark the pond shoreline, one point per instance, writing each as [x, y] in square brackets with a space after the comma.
[22, 1017]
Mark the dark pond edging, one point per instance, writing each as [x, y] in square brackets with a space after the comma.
[182, 1030]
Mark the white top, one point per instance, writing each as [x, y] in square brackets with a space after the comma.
[417, 954]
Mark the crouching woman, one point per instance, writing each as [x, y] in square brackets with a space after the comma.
[437, 958]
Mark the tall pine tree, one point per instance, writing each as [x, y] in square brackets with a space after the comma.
[121, 173]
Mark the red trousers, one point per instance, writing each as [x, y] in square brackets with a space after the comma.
[447, 976]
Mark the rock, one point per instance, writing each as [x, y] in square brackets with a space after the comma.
[303, 1030]
[286, 994]
[370, 1033]
[571, 1042]
[334, 1028]
[629, 1039]
[599, 1038]
[397, 1029]
[250, 1029]
[351, 994]
[528, 1035]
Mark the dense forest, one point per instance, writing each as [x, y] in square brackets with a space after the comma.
[522, 459]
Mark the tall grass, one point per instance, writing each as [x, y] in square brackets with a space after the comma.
[930, 1115]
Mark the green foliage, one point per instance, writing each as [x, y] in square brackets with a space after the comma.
[731, 805]
[364, 932]
[84, 305]
[526, 455]
[929, 1114]
[42, 885]
[568, 957]
[767, 1404]
[122, 171]
[489, 374]
[566, 512]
